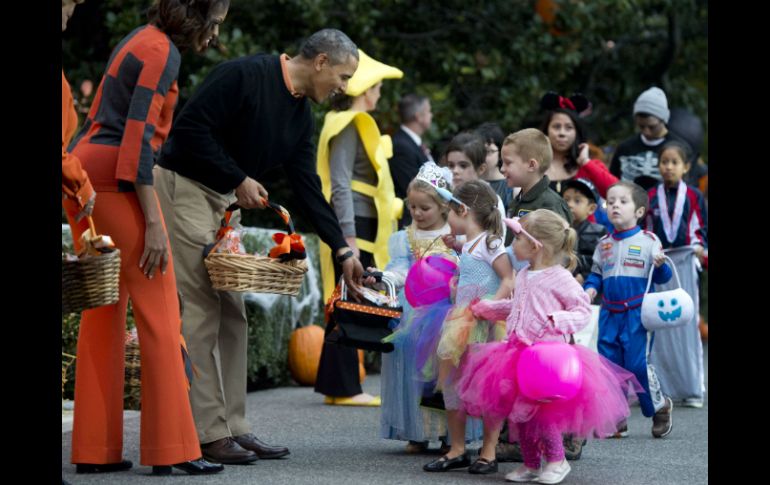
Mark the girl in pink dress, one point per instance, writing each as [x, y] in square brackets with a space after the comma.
[548, 304]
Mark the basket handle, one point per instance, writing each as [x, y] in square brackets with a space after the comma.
[104, 249]
[91, 226]
[279, 209]
[389, 286]
[673, 267]
[288, 246]
[377, 275]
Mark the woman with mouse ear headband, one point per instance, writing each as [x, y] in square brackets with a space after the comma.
[563, 124]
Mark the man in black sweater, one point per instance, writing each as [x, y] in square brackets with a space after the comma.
[248, 116]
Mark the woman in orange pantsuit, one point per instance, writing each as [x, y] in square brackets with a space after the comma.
[126, 125]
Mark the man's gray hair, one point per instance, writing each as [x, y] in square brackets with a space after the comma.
[409, 106]
[331, 42]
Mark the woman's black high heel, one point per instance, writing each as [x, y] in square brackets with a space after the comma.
[194, 467]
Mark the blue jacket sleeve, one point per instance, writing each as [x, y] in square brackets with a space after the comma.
[594, 281]
[662, 275]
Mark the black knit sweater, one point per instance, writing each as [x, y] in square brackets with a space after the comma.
[242, 121]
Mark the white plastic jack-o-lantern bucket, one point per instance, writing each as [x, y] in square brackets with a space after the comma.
[666, 309]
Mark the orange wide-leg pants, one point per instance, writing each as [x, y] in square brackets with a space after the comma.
[167, 429]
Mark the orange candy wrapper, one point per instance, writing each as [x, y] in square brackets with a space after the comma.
[95, 245]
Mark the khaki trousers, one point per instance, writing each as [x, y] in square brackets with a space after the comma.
[214, 322]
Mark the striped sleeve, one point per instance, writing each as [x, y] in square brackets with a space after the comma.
[493, 310]
[158, 64]
[576, 306]
[696, 228]
[649, 221]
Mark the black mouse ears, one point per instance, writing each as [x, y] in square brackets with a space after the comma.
[577, 102]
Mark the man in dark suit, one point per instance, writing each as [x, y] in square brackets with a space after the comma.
[409, 152]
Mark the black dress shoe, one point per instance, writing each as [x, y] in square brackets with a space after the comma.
[103, 467]
[483, 467]
[227, 451]
[443, 464]
[194, 467]
[263, 450]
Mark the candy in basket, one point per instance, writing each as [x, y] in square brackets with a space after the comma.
[282, 271]
[91, 279]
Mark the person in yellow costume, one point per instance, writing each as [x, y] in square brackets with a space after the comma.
[355, 178]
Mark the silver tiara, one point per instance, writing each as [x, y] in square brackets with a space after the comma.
[431, 173]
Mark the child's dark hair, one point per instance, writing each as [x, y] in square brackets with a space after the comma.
[482, 201]
[681, 148]
[638, 195]
[471, 145]
[492, 133]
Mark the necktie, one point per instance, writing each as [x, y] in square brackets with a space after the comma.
[426, 151]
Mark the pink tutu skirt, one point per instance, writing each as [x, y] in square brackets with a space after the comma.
[487, 388]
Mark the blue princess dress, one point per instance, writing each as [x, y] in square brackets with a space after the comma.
[402, 417]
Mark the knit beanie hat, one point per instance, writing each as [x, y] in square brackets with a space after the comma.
[654, 102]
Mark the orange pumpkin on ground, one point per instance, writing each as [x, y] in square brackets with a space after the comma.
[305, 346]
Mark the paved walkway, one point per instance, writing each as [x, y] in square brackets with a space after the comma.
[340, 445]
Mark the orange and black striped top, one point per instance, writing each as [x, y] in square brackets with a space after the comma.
[74, 180]
[132, 111]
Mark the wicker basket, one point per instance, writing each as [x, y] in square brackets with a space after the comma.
[257, 274]
[90, 282]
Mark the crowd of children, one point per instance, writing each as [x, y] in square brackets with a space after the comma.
[513, 295]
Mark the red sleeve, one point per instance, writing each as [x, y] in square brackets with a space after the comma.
[649, 221]
[598, 174]
[696, 230]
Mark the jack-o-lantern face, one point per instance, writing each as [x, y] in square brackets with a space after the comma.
[669, 314]
[667, 309]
